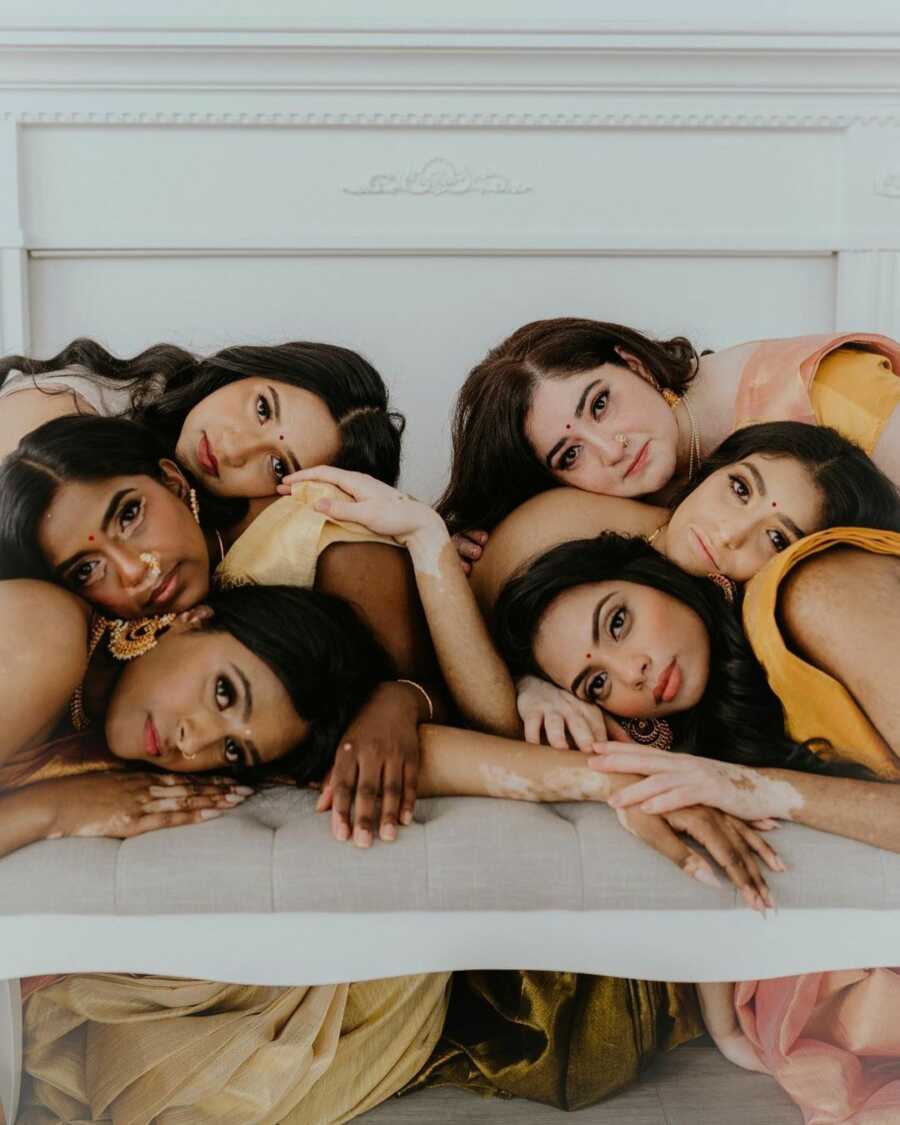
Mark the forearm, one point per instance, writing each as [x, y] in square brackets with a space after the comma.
[464, 763]
[868, 811]
[717, 1005]
[25, 817]
[476, 677]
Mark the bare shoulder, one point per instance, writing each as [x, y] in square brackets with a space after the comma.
[351, 566]
[554, 517]
[25, 410]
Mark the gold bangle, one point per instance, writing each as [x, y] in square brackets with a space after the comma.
[418, 687]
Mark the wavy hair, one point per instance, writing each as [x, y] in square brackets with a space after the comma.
[738, 718]
[494, 468]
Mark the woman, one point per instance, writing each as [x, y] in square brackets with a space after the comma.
[239, 420]
[602, 408]
[130, 543]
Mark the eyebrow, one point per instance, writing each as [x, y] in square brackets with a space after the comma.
[595, 638]
[292, 460]
[785, 521]
[256, 760]
[579, 409]
[104, 524]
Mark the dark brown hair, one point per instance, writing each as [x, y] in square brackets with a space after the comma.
[494, 467]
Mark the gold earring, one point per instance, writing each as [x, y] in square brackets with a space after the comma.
[194, 504]
[189, 757]
[623, 439]
[725, 584]
[128, 639]
[151, 559]
[671, 397]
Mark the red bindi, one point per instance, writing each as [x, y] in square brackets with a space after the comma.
[568, 426]
[281, 437]
[90, 539]
[774, 505]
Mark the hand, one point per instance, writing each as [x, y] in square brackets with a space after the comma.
[731, 843]
[562, 716]
[374, 504]
[125, 803]
[469, 546]
[675, 781]
[378, 756]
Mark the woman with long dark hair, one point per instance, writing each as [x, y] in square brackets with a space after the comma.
[239, 419]
[605, 409]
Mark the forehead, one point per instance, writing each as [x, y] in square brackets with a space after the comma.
[575, 607]
[788, 482]
[555, 400]
[79, 506]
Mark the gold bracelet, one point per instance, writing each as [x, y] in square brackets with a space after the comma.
[418, 687]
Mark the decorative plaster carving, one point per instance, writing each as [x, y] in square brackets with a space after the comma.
[889, 185]
[439, 177]
[466, 120]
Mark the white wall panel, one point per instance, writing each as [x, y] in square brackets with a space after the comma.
[423, 321]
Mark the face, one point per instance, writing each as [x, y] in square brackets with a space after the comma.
[742, 515]
[243, 439]
[630, 649]
[201, 701]
[129, 544]
[606, 430]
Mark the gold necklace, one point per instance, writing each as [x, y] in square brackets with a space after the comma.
[221, 546]
[694, 455]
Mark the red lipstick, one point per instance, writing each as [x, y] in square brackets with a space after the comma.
[206, 458]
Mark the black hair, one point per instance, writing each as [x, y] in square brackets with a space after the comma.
[494, 467]
[854, 491]
[327, 659]
[738, 718]
[75, 447]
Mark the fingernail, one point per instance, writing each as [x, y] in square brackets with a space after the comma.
[210, 814]
[362, 837]
[233, 798]
[704, 875]
[322, 506]
[244, 790]
[320, 803]
[389, 832]
[343, 832]
[406, 816]
[615, 801]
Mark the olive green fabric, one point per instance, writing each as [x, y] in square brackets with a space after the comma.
[566, 1039]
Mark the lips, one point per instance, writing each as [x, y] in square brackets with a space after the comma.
[151, 739]
[639, 462]
[669, 683]
[703, 549]
[165, 590]
[206, 458]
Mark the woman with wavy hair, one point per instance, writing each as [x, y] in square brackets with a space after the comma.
[606, 409]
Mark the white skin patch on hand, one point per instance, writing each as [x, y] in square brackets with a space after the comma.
[574, 784]
[779, 798]
[428, 553]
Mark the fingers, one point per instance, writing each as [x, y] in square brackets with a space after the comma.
[343, 478]
[655, 832]
[350, 510]
[466, 567]
[730, 850]
[767, 824]
[198, 788]
[343, 783]
[555, 728]
[643, 791]
[410, 788]
[762, 847]
[616, 731]
[466, 548]
[153, 821]
[581, 733]
[325, 793]
[179, 804]
[533, 725]
[368, 787]
[391, 799]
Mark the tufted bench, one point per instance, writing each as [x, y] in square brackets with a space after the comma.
[265, 895]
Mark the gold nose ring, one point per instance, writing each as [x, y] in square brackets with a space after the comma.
[623, 439]
[151, 559]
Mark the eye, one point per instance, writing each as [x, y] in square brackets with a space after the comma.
[233, 752]
[779, 542]
[279, 469]
[617, 623]
[225, 693]
[83, 573]
[600, 403]
[740, 488]
[595, 687]
[130, 512]
[263, 410]
[569, 458]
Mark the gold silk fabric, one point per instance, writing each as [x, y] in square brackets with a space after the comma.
[815, 704]
[283, 544]
[135, 1050]
[565, 1039]
[855, 392]
[778, 384]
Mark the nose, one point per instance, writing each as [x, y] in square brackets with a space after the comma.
[610, 449]
[131, 569]
[235, 450]
[732, 535]
[195, 733]
[633, 670]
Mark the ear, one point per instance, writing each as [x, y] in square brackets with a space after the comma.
[634, 364]
[173, 478]
[192, 619]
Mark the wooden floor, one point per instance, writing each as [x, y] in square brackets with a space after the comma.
[690, 1086]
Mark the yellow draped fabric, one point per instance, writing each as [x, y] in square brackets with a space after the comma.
[855, 392]
[778, 383]
[133, 1051]
[565, 1039]
[283, 544]
[815, 704]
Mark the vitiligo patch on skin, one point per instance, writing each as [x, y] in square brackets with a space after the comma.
[502, 782]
